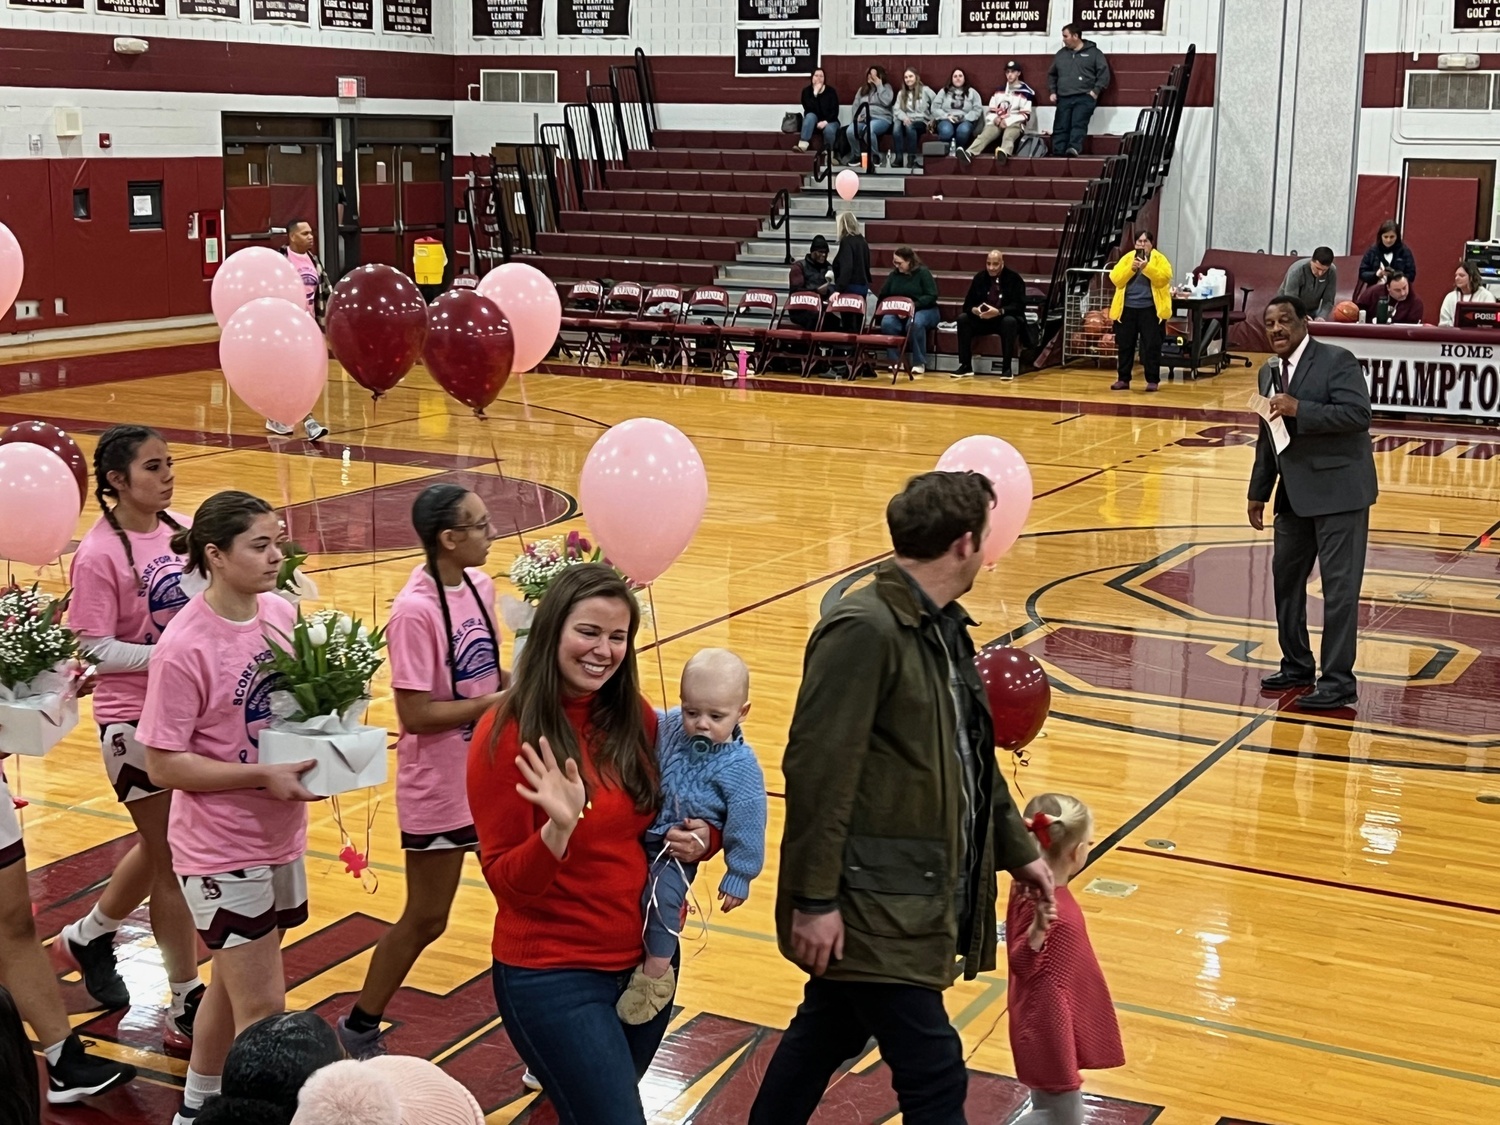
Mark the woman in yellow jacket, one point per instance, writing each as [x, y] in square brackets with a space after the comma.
[1143, 300]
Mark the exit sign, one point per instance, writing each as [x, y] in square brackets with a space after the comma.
[351, 87]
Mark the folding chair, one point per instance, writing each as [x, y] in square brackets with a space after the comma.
[622, 302]
[788, 340]
[905, 310]
[753, 318]
[652, 333]
[833, 342]
[702, 326]
[580, 307]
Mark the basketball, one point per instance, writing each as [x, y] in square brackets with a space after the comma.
[1096, 323]
[1346, 312]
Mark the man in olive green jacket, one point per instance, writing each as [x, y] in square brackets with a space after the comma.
[896, 820]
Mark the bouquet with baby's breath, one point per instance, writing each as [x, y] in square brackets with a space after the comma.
[324, 667]
[33, 639]
[539, 565]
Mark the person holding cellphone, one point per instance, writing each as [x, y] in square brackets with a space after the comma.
[1142, 303]
[994, 306]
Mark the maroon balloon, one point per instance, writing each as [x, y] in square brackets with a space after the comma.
[50, 437]
[469, 347]
[377, 324]
[1019, 692]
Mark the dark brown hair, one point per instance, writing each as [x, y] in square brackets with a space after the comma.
[217, 522]
[1471, 271]
[115, 453]
[1390, 226]
[907, 254]
[626, 757]
[934, 509]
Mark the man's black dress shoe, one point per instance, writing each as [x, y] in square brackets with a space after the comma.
[1281, 681]
[1326, 700]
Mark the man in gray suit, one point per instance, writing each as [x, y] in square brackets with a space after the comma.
[1322, 508]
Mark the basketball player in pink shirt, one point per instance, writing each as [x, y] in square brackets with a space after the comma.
[239, 828]
[127, 586]
[445, 669]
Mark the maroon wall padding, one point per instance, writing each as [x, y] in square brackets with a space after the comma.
[422, 203]
[1437, 219]
[26, 208]
[1263, 273]
[80, 61]
[102, 269]
[247, 210]
[1385, 77]
[1376, 199]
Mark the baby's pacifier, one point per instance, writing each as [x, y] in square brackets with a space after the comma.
[700, 744]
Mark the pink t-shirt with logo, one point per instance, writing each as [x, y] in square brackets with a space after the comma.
[431, 768]
[107, 601]
[307, 269]
[207, 696]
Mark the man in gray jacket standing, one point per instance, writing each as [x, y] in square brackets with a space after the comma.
[1325, 486]
[1079, 74]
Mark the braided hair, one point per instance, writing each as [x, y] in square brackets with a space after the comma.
[115, 453]
[433, 512]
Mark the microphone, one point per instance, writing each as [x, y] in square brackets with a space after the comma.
[1275, 365]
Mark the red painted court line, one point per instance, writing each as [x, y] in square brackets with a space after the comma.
[1333, 884]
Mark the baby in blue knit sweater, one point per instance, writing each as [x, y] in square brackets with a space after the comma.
[707, 771]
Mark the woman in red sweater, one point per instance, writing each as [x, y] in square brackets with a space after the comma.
[563, 782]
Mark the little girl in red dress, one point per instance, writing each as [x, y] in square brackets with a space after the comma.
[1061, 1017]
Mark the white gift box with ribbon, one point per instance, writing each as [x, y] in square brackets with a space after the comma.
[349, 754]
[35, 716]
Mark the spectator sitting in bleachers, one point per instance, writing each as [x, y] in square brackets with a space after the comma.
[910, 278]
[812, 274]
[1387, 256]
[851, 265]
[955, 111]
[1313, 281]
[1401, 305]
[1009, 111]
[1466, 288]
[912, 109]
[880, 97]
[994, 306]
[820, 112]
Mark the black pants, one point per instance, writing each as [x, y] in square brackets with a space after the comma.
[970, 327]
[1337, 543]
[1139, 325]
[834, 1023]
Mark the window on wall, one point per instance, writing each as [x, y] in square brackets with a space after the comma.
[520, 87]
[1449, 91]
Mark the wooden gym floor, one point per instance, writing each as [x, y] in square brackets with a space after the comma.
[1298, 917]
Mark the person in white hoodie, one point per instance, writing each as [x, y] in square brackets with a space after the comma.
[1007, 116]
[1466, 288]
[912, 109]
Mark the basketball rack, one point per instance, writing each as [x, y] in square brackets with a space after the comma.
[1087, 331]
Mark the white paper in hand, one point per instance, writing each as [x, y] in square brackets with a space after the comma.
[1262, 406]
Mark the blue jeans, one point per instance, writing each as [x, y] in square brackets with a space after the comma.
[562, 1023]
[664, 898]
[922, 323]
[878, 129]
[963, 132]
[907, 138]
[810, 126]
[1071, 124]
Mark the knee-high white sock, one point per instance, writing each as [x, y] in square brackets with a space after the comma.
[199, 1088]
[93, 926]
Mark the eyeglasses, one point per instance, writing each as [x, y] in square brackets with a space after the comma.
[484, 525]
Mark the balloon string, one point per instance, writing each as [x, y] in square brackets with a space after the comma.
[661, 671]
[515, 520]
[374, 488]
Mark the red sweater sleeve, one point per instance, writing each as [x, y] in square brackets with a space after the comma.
[517, 865]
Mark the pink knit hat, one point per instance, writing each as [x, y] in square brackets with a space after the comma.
[389, 1090]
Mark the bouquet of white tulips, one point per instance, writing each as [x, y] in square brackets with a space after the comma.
[324, 667]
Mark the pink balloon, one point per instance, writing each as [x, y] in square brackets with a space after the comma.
[643, 491]
[39, 504]
[12, 269]
[1006, 469]
[847, 184]
[252, 273]
[275, 359]
[529, 301]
